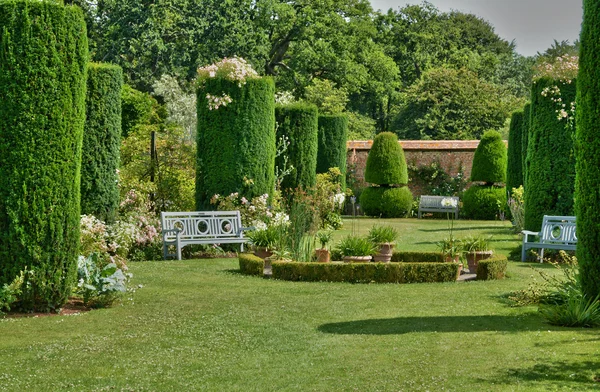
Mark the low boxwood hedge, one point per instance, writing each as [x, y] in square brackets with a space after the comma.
[418, 257]
[366, 272]
[251, 265]
[493, 268]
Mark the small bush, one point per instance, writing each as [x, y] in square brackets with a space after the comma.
[484, 202]
[383, 234]
[386, 202]
[100, 284]
[356, 246]
[418, 257]
[490, 159]
[251, 265]
[493, 268]
[366, 272]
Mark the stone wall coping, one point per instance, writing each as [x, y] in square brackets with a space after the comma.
[421, 144]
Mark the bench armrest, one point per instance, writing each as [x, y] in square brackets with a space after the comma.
[528, 233]
[242, 229]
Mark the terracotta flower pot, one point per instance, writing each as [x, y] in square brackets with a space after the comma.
[357, 259]
[450, 259]
[385, 253]
[263, 253]
[322, 255]
[473, 259]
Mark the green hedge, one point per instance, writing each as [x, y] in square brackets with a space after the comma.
[236, 143]
[551, 173]
[483, 202]
[418, 257]
[386, 202]
[299, 123]
[138, 109]
[514, 169]
[525, 139]
[332, 151]
[489, 161]
[101, 142]
[251, 265]
[366, 272]
[386, 164]
[43, 63]
[588, 151]
[493, 268]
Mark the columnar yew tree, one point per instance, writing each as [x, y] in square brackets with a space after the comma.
[386, 168]
[551, 172]
[236, 133]
[43, 61]
[297, 124]
[588, 151]
[101, 142]
[514, 170]
[333, 135]
[489, 166]
[525, 139]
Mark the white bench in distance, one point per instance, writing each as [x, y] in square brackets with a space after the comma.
[558, 232]
[201, 227]
[434, 204]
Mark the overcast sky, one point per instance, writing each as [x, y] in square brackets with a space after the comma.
[533, 24]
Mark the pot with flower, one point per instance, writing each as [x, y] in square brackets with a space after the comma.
[384, 237]
[476, 248]
[356, 249]
[264, 240]
[451, 248]
[324, 237]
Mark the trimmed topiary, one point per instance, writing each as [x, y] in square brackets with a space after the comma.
[298, 123]
[386, 202]
[493, 268]
[332, 151]
[236, 142]
[588, 152]
[483, 202]
[551, 173]
[43, 62]
[524, 139]
[101, 142]
[514, 170]
[489, 161]
[386, 164]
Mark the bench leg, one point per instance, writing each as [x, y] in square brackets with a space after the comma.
[242, 247]
[542, 255]
[419, 215]
[165, 250]
[523, 251]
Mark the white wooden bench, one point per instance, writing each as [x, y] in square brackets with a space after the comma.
[434, 204]
[201, 227]
[558, 232]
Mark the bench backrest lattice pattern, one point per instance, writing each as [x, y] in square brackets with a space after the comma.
[558, 229]
[202, 224]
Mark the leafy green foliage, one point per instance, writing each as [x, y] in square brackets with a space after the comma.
[525, 139]
[383, 234]
[493, 268]
[328, 99]
[138, 109]
[386, 202]
[100, 286]
[433, 180]
[483, 202]
[332, 136]
[298, 123]
[43, 62]
[588, 152]
[418, 257]
[514, 168]
[489, 161]
[9, 292]
[250, 264]
[366, 272]
[550, 154]
[386, 164]
[101, 142]
[236, 143]
[356, 246]
[452, 104]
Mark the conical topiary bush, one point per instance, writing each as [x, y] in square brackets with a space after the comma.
[489, 166]
[386, 168]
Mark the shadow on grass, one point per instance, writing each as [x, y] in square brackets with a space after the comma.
[402, 325]
[576, 376]
[493, 229]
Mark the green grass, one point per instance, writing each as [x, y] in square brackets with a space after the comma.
[199, 325]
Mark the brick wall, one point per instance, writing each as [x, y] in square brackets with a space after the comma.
[449, 154]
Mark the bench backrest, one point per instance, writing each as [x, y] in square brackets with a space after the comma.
[558, 229]
[202, 224]
[435, 201]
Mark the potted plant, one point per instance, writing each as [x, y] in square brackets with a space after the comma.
[264, 241]
[452, 248]
[324, 237]
[356, 249]
[384, 237]
[476, 248]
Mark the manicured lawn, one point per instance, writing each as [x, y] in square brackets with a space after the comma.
[198, 325]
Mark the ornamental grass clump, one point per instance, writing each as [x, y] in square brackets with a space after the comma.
[356, 246]
[383, 234]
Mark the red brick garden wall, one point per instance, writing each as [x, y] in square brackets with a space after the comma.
[451, 155]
